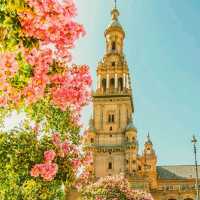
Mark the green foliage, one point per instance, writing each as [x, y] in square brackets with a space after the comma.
[54, 119]
[11, 34]
[38, 190]
[24, 73]
[19, 151]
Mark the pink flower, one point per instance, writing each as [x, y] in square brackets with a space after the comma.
[74, 89]
[40, 59]
[8, 64]
[47, 171]
[88, 159]
[65, 147]
[51, 23]
[76, 163]
[56, 139]
[35, 171]
[49, 156]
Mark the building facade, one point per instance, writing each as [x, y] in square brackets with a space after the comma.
[112, 136]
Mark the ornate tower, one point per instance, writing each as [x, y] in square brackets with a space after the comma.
[149, 160]
[112, 136]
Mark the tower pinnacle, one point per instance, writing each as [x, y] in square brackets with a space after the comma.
[149, 139]
[115, 4]
[115, 11]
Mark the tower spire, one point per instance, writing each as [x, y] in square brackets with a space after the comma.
[115, 4]
[149, 139]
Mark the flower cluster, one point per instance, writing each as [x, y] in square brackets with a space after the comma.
[48, 169]
[69, 89]
[63, 149]
[8, 68]
[35, 77]
[40, 60]
[51, 23]
[113, 187]
[72, 89]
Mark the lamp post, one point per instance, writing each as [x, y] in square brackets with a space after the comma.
[194, 141]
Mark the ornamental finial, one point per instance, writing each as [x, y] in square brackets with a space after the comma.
[115, 12]
[115, 4]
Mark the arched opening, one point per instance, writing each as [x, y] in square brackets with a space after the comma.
[92, 140]
[113, 64]
[110, 165]
[188, 199]
[120, 83]
[111, 118]
[113, 46]
[112, 83]
[104, 85]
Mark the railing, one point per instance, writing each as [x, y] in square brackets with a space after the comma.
[111, 146]
[177, 187]
[111, 92]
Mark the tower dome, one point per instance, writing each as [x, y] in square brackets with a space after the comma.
[115, 24]
[130, 126]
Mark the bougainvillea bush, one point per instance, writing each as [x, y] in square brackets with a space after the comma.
[42, 158]
[113, 188]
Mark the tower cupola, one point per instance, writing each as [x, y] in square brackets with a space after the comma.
[114, 34]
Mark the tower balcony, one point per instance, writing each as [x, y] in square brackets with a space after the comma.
[112, 92]
[112, 147]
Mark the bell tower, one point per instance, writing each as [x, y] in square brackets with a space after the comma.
[112, 136]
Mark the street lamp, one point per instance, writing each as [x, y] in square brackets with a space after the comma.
[194, 141]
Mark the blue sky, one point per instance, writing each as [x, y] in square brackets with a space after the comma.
[163, 52]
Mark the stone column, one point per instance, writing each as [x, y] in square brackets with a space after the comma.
[116, 81]
[99, 82]
[127, 82]
[124, 80]
[107, 81]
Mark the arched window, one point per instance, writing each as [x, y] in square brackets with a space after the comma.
[110, 165]
[104, 84]
[112, 83]
[92, 140]
[113, 46]
[113, 64]
[120, 84]
[111, 118]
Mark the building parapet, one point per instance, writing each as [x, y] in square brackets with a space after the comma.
[105, 147]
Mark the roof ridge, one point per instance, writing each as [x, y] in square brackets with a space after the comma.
[176, 165]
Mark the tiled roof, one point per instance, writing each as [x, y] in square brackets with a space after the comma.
[177, 172]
